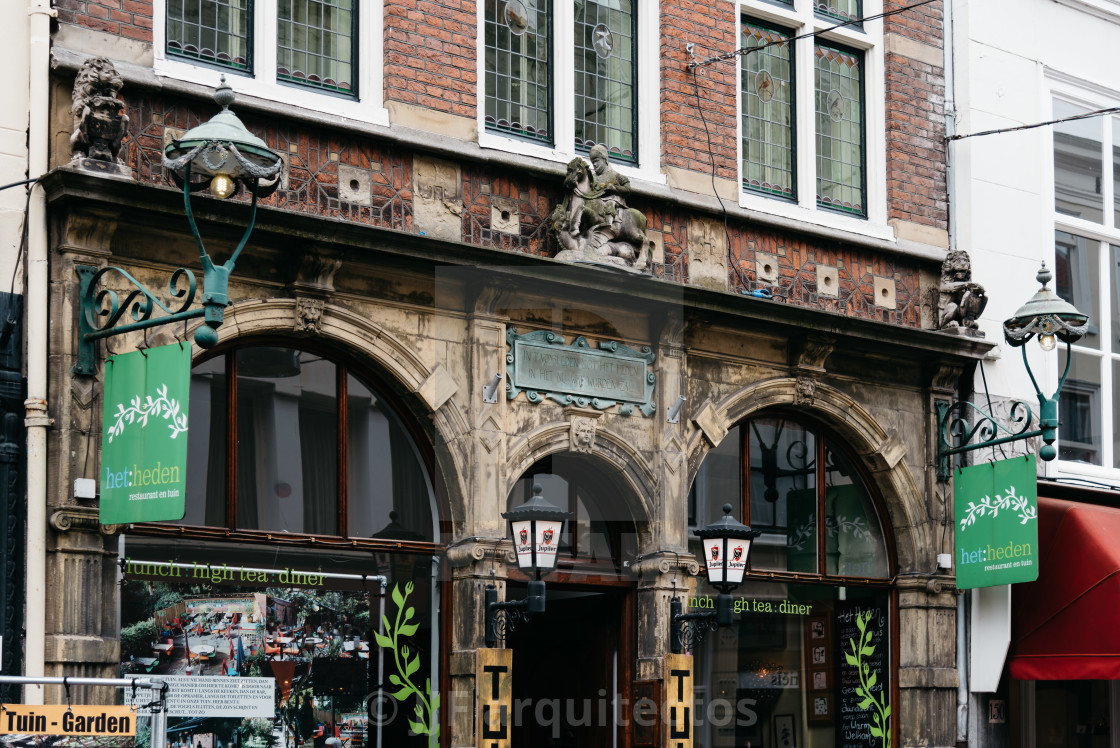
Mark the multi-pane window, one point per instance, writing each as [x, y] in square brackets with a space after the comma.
[1087, 274]
[767, 83]
[605, 77]
[840, 136]
[315, 43]
[518, 37]
[845, 10]
[211, 31]
[785, 74]
[568, 98]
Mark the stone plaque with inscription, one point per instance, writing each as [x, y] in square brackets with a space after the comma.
[542, 365]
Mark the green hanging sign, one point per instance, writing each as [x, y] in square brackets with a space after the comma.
[997, 523]
[144, 435]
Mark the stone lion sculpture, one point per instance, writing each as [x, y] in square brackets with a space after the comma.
[99, 119]
[960, 301]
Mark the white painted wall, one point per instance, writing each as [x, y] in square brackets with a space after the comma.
[13, 135]
[1010, 57]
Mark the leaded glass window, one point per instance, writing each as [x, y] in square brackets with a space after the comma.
[840, 137]
[606, 68]
[213, 31]
[315, 43]
[518, 68]
[768, 111]
[845, 10]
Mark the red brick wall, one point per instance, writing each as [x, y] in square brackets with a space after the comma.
[431, 55]
[129, 18]
[710, 26]
[917, 190]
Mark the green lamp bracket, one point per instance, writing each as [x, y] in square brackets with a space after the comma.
[101, 309]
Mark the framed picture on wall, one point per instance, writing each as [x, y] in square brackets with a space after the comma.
[785, 731]
[820, 707]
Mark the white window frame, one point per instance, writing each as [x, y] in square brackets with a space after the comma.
[647, 93]
[1104, 234]
[262, 83]
[801, 19]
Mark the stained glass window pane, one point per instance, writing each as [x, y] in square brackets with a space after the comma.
[315, 43]
[606, 69]
[213, 31]
[783, 495]
[840, 137]
[845, 10]
[767, 96]
[1077, 164]
[518, 79]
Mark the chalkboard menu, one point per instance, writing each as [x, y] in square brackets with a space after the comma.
[860, 718]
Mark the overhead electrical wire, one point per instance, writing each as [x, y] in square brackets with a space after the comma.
[1017, 128]
[852, 22]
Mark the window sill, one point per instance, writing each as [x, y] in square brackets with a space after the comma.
[1109, 10]
[525, 148]
[817, 216]
[1067, 469]
[359, 110]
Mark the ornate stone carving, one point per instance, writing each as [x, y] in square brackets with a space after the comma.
[593, 223]
[99, 117]
[806, 390]
[315, 276]
[583, 434]
[960, 301]
[309, 315]
[80, 518]
[809, 352]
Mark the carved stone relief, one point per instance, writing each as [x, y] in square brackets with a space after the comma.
[437, 202]
[309, 315]
[707, 254]
[583, 434]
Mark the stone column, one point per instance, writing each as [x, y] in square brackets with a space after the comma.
[82, 627]
[927, 667]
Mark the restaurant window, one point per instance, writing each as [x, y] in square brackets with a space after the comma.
[808, 661]
[309, 554]
[318, 450]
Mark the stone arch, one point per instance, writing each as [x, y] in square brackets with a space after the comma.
[424, 391]
[880, 451]
[611, 451]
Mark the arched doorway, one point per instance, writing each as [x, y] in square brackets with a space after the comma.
[810, 659]
[573, 666]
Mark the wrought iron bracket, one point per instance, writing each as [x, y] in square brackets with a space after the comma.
[956, 434]
[504, 617]
[100, 311]
[686, 630]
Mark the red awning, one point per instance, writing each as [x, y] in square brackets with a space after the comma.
[1066, 625]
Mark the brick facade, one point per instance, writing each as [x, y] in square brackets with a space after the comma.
[917, 153]
[430, 55]
[127, 18]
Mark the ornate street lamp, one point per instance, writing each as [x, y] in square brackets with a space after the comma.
[224, 156]
[727, 547]
[1049, 318]
[221, 155]
[536, 527]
